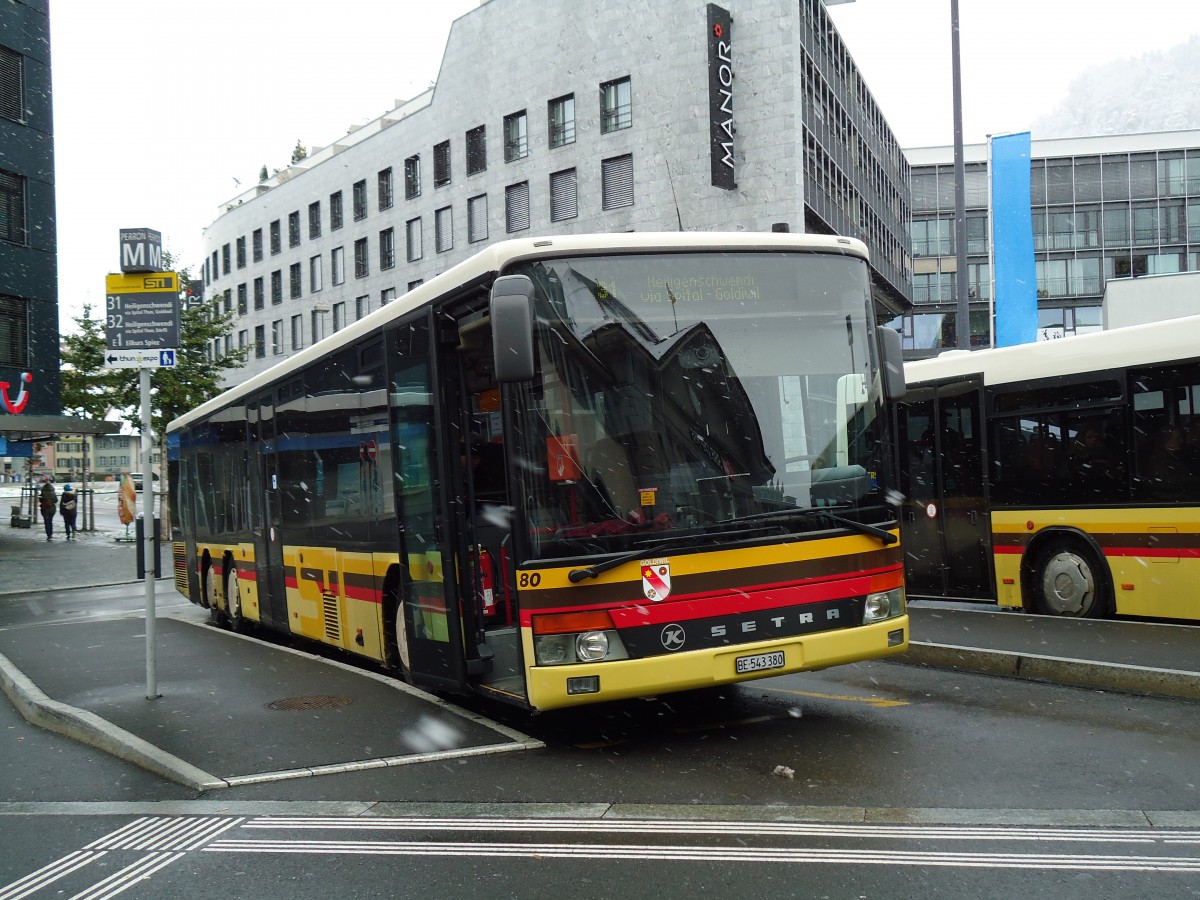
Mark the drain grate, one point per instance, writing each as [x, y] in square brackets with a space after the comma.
[302, 704]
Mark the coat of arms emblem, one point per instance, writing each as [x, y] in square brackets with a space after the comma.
[656, 580]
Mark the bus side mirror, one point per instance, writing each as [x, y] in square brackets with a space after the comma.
[512, 328]
[891, 358]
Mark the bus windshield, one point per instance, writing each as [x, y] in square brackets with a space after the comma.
[686, 395]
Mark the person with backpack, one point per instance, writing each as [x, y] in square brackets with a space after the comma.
[48, 502]
[66, 506]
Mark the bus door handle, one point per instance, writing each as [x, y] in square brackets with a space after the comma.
[974, 516]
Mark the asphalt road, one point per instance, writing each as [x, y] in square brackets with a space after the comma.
[897, 781]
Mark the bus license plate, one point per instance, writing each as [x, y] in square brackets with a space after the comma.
[758, 662]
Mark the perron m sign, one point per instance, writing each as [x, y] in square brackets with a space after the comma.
[720, 96]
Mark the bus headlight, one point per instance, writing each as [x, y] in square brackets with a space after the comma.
[591, 646]
[564, 638]
[883, 605]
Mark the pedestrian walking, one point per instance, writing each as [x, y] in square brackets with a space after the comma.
[49, 504]
[66, 506]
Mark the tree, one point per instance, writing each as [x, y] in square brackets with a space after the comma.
[88, 386]
[263, 175]
[299, 152]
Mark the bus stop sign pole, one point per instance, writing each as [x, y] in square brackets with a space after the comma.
[148, 536]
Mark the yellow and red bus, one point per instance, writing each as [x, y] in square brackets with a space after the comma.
[568, 470]
[1060, 477]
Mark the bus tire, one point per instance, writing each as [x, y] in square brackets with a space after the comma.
[395, 631]
[1070, 580]
[233, 599]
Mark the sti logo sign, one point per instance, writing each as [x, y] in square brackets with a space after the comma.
[720, 97]
[141, 250]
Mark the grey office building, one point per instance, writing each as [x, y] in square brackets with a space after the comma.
[1117, 206]
[561, 117]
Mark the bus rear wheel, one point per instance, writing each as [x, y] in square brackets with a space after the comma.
[233, 601]
[1069, 581]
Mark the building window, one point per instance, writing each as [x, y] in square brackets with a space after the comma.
[412, 234]
[316, 275]
[477, 227]
[441, 164]
[242, 299]
[516, 207]
[276, 239]
[225, 260]
[277, 337]
[562, 121]
[337, 265]
[412, 177]
[616, 105]
[297, 332]
[339, 316]
[516, 136]
[243, 336]
[413, 285]
[277, 286]
[12, 207]
[387, 248]
[316, 324]
[386, 296]
[12, 85]
[362, 306]
[257, 244]
[294, 280]
[260, 341]
[476, 150]
[360, 200]
[294, 229]
[14, 331]
[259, 298]
[335, 210]
[443, 229]
[616, 177]
[241, 252]
[314, 220]
[385, 188]
[563, 202]
[361, 269]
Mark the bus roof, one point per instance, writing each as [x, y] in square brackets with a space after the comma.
[495, 257]
[1101, 351]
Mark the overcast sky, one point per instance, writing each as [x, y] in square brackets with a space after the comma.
[159, 105]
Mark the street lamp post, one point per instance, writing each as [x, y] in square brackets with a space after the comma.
[963, 329]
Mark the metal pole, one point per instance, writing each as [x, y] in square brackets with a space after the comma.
[148, 536]
[963, 330]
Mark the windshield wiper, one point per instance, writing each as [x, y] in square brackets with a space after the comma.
[816, 512]
[577, 575]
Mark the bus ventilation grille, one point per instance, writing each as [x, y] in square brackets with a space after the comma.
[179, 553]
[333, 630]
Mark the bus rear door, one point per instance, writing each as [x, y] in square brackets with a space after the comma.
[268, 543]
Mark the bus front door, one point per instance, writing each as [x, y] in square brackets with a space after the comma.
[947, 536]
[424, 618]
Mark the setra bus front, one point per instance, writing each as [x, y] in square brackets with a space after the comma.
[703, 468]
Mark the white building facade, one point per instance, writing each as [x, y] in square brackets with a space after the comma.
[601, 117]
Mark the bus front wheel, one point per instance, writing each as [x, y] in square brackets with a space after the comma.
[396, 634]
[1068, 580]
